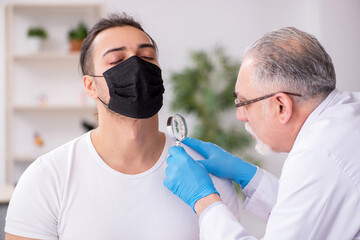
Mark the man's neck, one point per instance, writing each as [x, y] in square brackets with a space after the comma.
[300, 117]
[127, 145]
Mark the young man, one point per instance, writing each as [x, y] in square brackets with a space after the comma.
[285, 92]
[107, 184]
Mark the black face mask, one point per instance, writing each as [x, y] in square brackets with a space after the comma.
[136, 88]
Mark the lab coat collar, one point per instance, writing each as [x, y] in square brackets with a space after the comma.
[328, 101]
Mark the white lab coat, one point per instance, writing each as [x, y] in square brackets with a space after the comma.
[318, 195]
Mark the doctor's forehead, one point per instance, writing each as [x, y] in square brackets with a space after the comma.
[243, 84]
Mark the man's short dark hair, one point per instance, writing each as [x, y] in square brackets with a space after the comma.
[113, 20]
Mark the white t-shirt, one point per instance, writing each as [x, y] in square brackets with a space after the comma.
[71, 193]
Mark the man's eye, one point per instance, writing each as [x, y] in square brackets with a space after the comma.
[116, 62]
[147, 58]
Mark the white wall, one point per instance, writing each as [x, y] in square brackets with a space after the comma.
[180, 26]
[2, 95]
[340, 35]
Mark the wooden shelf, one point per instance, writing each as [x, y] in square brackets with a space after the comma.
[24, 159]
[47, 56]
[54, 72]
[36, 6]
[53, 108]
[6, 192]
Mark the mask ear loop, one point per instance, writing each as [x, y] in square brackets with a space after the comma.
[95, 76]
[103, 102]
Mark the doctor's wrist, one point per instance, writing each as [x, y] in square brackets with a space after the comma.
[205, 202]
[251, 187]
[245, 173]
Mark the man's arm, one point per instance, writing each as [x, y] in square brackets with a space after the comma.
[13, 237]
[36, 192]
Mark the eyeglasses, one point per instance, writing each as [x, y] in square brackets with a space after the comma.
[239, 103]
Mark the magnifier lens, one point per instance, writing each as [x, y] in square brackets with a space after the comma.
[177, 127]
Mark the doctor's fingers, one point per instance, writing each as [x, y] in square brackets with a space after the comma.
[169, 172]
[169, 183]
[204, 148]
[179, 162]
[207, 165]
[173, 172]
[176, 150]
[178, 156]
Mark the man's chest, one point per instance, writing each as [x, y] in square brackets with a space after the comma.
[132, 210]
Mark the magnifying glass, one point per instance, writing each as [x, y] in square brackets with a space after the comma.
[176, 127]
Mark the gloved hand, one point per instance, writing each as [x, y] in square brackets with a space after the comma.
[221, 163]
[186, 178]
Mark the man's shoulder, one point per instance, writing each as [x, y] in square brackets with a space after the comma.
[53, 166]
[61, 157]
[41, 189]
[79, 143]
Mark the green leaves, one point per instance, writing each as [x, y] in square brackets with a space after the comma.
[37, 32]
[78, 33]
[205, 89]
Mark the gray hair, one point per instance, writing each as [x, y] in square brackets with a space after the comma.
[291, 60]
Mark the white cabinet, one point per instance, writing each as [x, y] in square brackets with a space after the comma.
[45, 98]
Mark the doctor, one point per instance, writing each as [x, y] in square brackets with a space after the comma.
[285, 93]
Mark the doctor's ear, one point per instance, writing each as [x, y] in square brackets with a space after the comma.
[284, 107]
[89, 84]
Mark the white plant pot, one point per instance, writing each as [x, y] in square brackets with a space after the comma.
[34, 44]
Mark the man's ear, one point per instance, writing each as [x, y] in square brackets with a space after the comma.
[284, 107]
[89, 84]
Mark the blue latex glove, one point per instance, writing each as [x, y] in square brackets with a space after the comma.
[186, 178]
[221, 163]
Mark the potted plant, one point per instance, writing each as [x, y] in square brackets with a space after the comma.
[76, 37]
[36, 36]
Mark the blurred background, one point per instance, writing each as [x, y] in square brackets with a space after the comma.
[43, 105]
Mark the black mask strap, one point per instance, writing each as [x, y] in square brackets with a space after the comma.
[103, 102]
[99, 97]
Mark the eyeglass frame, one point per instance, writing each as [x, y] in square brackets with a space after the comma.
[238, 103]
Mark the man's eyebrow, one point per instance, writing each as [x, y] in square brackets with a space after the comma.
[146, 45]
[143, 45]
[114, 50]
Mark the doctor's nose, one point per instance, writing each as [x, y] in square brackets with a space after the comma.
[241, 115]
